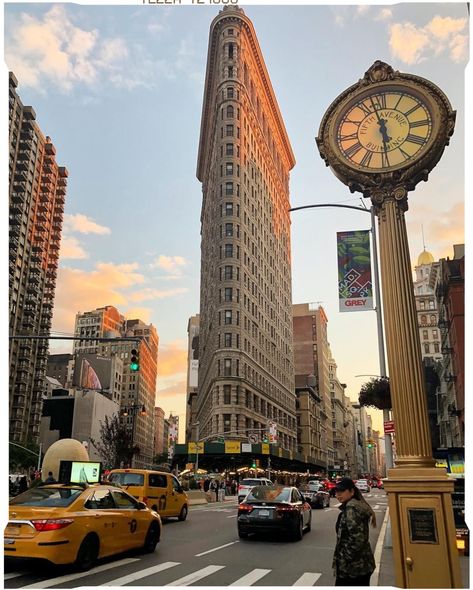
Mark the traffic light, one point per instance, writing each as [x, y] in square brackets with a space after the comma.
[135, 360]
[254, 464]
[265, 438]
[370, 445]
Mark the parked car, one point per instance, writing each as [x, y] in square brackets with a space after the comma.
[248, 483]
[77, 524]
[315, 493]
[362, 485]
[159, 490]
[274, 508]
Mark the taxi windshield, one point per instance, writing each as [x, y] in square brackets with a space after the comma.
[54, 497]
[127, 479]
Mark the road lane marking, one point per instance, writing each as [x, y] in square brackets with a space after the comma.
[216, 548]
[251, 578]
[13, 575]
[307, 579]
[141, 574]
[232, 516]
[375, 507]
[379, 549]
[196, 576]
[60, 579]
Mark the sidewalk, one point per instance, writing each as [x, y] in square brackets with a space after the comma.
[386, 567]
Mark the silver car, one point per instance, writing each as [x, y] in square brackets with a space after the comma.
[362, 485]
[247, 484]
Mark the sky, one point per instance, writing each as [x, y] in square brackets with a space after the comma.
[119, 90]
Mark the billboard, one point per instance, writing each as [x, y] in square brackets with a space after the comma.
[355, 288]
[92, 372]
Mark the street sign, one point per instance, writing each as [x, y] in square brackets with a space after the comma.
[389, 427]
[253, 438]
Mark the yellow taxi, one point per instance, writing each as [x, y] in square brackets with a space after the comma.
[78, 524]
[159, 490]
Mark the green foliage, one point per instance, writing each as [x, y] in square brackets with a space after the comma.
[115, 444]
[376, 393]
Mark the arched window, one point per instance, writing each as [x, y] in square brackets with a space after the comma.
[230, 111]
[423, 320]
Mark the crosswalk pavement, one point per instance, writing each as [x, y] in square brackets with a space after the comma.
[180, 576]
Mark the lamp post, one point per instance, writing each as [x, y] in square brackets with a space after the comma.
[378, 308]
[196, 425]
[133, 409]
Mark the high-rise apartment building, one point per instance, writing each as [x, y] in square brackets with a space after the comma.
[312, 357]
[246, 373]
[138, 389]
[37, 189]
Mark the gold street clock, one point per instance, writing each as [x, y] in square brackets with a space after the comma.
[389, 129]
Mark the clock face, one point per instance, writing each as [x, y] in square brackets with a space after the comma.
[385, 128]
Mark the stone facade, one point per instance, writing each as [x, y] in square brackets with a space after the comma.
[246, 373]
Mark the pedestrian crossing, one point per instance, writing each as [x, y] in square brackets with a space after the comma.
[181, 576]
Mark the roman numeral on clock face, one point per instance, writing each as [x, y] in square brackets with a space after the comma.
[366, 110]
[384, 160]
[347, 137]
[379, 101]
[415, 139]
[353, 149]
[419, 123]
[410, 111]
[405, 154]
[366, 159]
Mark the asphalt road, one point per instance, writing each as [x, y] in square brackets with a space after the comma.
[205, 551]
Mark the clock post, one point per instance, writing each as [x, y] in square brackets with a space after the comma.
[381, 137]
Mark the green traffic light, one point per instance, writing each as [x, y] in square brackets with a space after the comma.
[134, 366]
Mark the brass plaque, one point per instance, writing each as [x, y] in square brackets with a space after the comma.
[422, 525]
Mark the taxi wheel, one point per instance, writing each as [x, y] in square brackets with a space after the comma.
[87, 554]
[183, 513]
[152, 538]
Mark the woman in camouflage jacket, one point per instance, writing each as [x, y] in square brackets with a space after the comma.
[353, 560]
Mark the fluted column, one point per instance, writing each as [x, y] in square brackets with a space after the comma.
[413, 442]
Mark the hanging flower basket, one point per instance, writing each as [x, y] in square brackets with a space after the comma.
[376, 393]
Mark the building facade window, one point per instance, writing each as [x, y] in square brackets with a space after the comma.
[229, 130]
[228, 208]
[228, 339]
[228, 294]
[230, 92]
[229, 168]
[227, 422]
[229, 188]
[227, 392]
[228, 273]
[227, 367]
[426, 348]
[228, 250]
[229, 149]
[228, 316]
[229, 230]
[425, 334]
[230, 111]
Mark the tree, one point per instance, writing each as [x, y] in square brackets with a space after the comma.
[376, 393]
[21, 458]
[115, 444]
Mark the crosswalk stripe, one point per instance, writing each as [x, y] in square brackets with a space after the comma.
[307, 579]
[12, 575]
[141, 574]
[251, 577]
[60, 579]
[196, 576]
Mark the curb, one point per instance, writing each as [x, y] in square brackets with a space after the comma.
[379, 549]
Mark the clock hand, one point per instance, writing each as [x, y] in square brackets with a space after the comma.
[382, 125]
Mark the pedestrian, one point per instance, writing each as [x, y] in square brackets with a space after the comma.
[353, 560]
[206, 484]
[234, 487]
[50, 478]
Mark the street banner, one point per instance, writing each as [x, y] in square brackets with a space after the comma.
[265, 448]
[273, 433]
[389, 427]
[232, 446]
[355, 288]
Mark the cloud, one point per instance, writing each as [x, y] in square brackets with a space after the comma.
[71, 249]
[170, 264]
[79, 290]
[84, 225]
[172, 359]
[149, 293]
[53, 50]
[141, 313]
[384, 14]
[412, 44]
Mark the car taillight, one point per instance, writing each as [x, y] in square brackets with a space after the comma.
[51, 524]
[245, 508]
[240, 488]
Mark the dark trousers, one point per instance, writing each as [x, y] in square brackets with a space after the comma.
[358, 581]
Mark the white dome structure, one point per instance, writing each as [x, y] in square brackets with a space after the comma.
[65, 449]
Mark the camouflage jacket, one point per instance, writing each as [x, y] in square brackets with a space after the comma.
[353, 556]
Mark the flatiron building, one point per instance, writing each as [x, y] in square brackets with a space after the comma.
[246, 369]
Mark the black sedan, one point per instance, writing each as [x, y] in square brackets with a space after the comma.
[316, 494]
[274, 509]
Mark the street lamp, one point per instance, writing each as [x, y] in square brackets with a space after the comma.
[378, 309]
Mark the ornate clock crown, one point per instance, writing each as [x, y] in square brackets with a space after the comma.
[378, 72]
